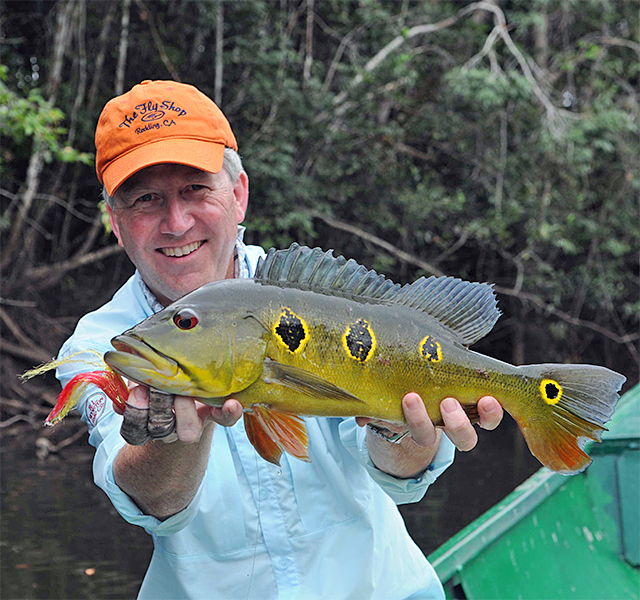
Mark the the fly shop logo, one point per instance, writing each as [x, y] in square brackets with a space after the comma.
[95, 405]
[154, 115]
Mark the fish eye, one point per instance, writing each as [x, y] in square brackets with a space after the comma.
[185, 319]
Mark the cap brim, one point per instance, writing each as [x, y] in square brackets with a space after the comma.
[200, 154]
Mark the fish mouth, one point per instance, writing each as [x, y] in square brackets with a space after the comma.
[136, 360]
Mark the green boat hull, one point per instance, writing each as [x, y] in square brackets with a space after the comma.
[559, 537]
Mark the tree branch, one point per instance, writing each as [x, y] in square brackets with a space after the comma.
[37, 355]
[515, 292]
[147, 15]
[15, 329]
[49, 274]
[500, 29]
[365, 235]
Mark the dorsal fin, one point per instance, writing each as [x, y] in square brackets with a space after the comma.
[468, 310]
[320, 270]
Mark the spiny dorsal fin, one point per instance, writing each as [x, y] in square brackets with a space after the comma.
[320, 270]
[467, 309]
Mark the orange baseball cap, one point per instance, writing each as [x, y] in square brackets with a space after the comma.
[159, 122]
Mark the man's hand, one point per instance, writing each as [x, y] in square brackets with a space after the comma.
[163, 478]
[185, 416]
[414, 454]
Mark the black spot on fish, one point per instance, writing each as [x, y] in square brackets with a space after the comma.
[359, 340]
[291, 330]
[430, 349]
[552, 391]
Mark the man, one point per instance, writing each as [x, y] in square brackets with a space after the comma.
[225, 523]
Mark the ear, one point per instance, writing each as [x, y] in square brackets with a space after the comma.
[241, 195]
[113, 219]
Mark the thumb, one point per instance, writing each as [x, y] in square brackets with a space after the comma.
[139, 396]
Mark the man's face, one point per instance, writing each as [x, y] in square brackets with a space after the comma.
[178, 226]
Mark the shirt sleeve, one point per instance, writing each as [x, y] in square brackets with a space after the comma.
[128, 509]
[401, 491]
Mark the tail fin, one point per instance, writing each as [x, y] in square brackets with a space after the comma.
[573, 403]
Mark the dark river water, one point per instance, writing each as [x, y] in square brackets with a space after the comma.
[60, 537]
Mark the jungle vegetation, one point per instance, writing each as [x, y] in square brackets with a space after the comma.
[493, 141]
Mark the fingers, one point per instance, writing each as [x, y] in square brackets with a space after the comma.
[136, 412]
[157, 416]
[188, 423]
[226, 415]
[457, 425]
[490, 412]
[162, 420]
[420, 426]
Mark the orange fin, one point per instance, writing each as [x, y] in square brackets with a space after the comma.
[108, 381]
[287, 431]
[558, 446]
[260, 439]
[572, 406]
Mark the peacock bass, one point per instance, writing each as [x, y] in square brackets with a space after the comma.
[312, 334]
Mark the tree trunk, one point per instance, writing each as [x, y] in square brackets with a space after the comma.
[36, 162]
[97, 72]
[217, 94]
[122, 49]
[542, 39]
[308, 58]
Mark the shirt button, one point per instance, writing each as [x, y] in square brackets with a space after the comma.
[282, 563]
[264, 494]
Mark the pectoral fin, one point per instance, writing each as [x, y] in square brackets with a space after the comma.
[271, 432]
[261, 440]
[304, 381]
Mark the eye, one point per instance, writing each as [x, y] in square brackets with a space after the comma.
[144, 198]
[185, 319]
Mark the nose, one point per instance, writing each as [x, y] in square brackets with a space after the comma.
[177, 218]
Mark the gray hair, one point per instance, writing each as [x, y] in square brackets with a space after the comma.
[232, 164]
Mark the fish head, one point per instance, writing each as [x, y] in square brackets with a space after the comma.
[199, 346]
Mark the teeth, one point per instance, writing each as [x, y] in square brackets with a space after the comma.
[183, 251]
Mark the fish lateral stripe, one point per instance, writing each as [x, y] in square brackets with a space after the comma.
[551, 391]
[291, 331]
[430, 349]
[359, 341]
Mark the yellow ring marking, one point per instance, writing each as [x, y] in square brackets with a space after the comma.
[551, 391]
[430, 349]
[291, 331]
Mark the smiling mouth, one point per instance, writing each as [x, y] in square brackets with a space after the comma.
[182, 250]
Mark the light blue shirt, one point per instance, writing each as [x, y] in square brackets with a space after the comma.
[326, 529]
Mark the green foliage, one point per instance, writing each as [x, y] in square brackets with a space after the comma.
[32, 117]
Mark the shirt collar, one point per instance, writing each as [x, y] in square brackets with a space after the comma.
[240, 269]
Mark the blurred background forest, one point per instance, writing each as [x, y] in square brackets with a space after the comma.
[494, 141]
